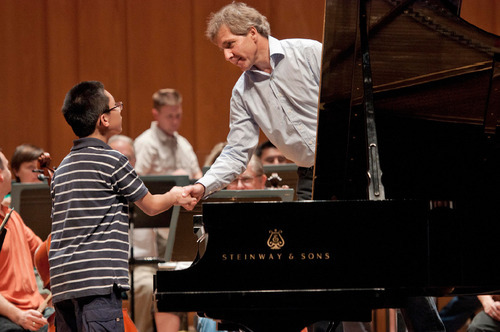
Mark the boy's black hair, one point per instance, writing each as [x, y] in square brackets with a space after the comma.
[83, 106]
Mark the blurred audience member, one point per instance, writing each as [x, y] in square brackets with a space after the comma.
[270, 155]
[24, 161]
[160, 150]
[252, 178]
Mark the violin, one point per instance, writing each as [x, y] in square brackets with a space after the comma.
[42, 252]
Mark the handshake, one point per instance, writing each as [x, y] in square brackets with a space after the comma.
[188, 196]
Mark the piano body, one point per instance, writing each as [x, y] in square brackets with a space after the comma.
[406, 189]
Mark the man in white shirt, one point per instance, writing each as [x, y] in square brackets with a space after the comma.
[278, 93]
[160, 150]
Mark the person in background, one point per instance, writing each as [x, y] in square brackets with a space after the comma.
[458, 311]
[144, 246]
[488, 320]
[19, 295]
[24, 161]
[124, 145]
[214, 153]
[160, 150]
[91, 190]
[252, 178]
[269, 154]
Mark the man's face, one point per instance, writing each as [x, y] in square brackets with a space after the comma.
[272, 156]
[25, 172]
[241, 51]
[248, 180]
[169, 118]
[6, 177]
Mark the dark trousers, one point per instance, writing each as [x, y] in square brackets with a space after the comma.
[91, 313]
[304, 183]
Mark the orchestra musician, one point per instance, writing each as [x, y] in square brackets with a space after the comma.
[91, 190]
[279, 85]
[20, 298]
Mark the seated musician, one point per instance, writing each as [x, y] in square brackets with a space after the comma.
[23, 162]
[252, 178]
[19, 295]
[488, 320]
[269, 154]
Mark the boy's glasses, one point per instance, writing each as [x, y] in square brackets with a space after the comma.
[118, 105]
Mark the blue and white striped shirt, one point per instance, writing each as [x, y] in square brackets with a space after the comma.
[89, 247]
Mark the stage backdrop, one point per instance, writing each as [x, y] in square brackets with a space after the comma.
[135, 48]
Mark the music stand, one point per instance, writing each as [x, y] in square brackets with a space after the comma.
[34, 203]
[156, 184]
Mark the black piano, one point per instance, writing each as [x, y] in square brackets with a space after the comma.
[406, 189]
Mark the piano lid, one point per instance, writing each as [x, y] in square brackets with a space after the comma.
[435, 82]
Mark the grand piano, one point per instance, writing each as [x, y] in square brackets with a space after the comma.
[406, 189]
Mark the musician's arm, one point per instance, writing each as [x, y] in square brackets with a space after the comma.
[490, 306]
[23, 318]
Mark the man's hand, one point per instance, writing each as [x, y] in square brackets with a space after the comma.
[31, 320]
[181, 198]
[196, 191]
[493, 310]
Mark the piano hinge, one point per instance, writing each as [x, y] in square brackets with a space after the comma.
[375, 186]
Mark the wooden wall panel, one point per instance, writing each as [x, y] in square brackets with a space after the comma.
[63, 70]
[23, 75]
[134, 48]
[160, 52]
[482, 13]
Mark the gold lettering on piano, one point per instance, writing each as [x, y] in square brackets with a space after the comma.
[275, 241]
[273, 256]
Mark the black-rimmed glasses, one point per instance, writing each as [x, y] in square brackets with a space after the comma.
[118, 105]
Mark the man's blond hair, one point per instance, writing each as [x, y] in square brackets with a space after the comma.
[169, 97]
[239, 18]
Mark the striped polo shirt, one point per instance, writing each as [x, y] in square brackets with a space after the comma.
[89, 246]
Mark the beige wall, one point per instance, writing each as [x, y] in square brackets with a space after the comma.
[134, 47]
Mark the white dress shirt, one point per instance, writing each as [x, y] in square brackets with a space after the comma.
[283, 104]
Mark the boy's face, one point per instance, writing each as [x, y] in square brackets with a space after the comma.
[114, 116]
[5, 177]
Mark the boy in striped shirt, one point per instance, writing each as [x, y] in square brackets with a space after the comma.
[91, 190]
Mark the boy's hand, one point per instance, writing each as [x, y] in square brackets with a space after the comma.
[196, 191]
[181, 199]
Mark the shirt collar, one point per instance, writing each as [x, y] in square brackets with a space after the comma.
[276, 53]
[161, 135]
[86, 142]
